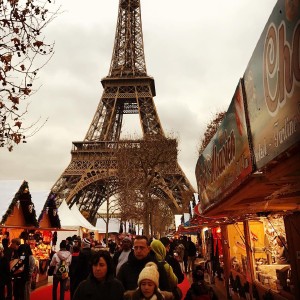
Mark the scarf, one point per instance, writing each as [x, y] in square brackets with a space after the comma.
[154, 297]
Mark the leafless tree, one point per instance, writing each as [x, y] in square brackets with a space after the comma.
[141, 164]
[22, 46]
[112, 208]
[211, 129]
[161, 218]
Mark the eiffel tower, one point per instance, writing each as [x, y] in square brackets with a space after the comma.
[91, 175]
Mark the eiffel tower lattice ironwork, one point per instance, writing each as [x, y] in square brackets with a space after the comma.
[91, 175]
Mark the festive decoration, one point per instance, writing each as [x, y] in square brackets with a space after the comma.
[50, 209]
[22, 199]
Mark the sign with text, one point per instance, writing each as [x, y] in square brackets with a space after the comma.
[226, 161]
[272, 84]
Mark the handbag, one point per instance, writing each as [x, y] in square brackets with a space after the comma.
[51, 270]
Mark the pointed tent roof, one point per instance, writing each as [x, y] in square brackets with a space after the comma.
[82, 219]
[68, 218]
[49, 217]
[21, 210]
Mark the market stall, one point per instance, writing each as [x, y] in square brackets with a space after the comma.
[249, 173]
[19, 221]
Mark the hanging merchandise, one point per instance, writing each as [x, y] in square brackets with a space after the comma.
[270, 252]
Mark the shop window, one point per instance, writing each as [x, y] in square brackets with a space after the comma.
[270, 255]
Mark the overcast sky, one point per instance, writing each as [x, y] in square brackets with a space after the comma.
[195, 50]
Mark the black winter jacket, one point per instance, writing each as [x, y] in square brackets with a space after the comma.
[173, 262]
[92, 289]
[129, 272]
[83, 266]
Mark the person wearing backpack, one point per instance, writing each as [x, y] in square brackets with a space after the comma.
[61, 260]
[160, 253]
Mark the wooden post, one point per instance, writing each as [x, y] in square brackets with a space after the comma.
[226, 258]
[250, 272]
[292, 230]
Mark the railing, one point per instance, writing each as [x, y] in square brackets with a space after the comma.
[103, 146]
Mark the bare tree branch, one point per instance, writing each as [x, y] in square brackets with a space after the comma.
[140, 165]
[211, 129]
[21, 46]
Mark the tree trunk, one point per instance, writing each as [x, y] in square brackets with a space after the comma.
[146, 217]
[151, 223]
[107, 221]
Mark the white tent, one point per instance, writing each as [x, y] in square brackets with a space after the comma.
[82, 219]
[113, 225]
[73, 221]
[67, 218]
[67, 221]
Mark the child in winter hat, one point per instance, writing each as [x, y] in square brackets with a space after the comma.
[148, 286]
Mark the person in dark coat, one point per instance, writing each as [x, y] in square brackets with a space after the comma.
[72, 269]
[171, 260]
[100, 283]
[10, 252]
[4, 272]
[83, 265]
[129, 271]
[20, 272]
[199, 289]
[5, 278]
[192, 250]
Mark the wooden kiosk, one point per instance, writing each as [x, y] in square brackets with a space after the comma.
[19, 221]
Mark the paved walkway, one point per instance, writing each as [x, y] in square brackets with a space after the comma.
[218, 286]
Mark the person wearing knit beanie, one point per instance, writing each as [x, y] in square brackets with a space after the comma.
[150, 272]
[148, 282]
[86, 243]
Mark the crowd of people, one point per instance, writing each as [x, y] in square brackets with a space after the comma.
[130, 269]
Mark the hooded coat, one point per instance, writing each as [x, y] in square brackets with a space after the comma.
[61, 255]
[160, 253]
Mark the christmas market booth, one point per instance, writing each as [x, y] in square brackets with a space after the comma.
[249, 173]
